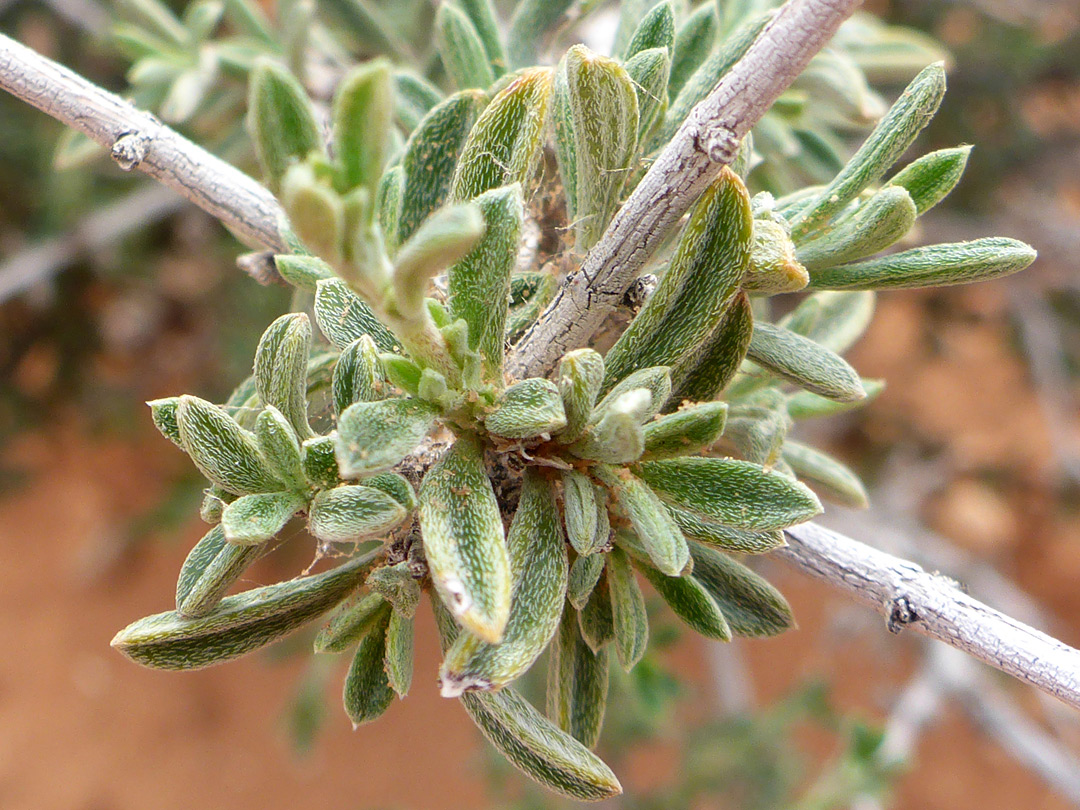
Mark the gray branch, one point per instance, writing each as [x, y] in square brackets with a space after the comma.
[137, 139]
[706, 142]
[934, 605]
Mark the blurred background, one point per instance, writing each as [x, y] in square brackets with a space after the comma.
[112, 292]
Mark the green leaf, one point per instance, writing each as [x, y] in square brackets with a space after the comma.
[629, 618]
[482, 15]
[479, 284]
[431, 155]
[414, 97]
[876, 224]
[889, 140]
[281, 369]
[320, 462]
[685, 432]
[397, 585]
[464, 541]
[240, 623]
[736, 493]
[461, 49]
[824, 473]
[584, 574]
[538, 563]
[595, 619]
[443, 239]
[388, 206]
[704, 374]
[617, 438]
[710, 260]
[529, 28]
[834, 81]
[596, 125]
[932, 266]
[655, 526]
[362, 116]
[402, 372]
[751, 606]
[649, 71]
[254, 519]
[282, 122]
[222, 450]
[350, 622]
[352, 513]
[758, 429]
[774, 267]
[367, 693]
[374, 436]
[656, 380]
[691, 602]
[577, 684]
[396, 486]
[656, 30]
[211, 567]
[805, 363]
[539, 748]
[930, 178]
[344, 318]
[836, 320]
[163, 412]
[316, 212]
[357, 375]
[693, 42]
[303, 272]
[398, 659]
[505, 143]
[580, 376]
[526, 410]
[804, 405]
[696, 526]
[585, 513]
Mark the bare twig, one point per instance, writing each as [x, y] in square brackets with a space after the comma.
[99, 229]
[706, 142]
[137, 139]
[934, 605]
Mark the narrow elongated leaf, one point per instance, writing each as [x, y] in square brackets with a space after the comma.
[596, 126]
[479, 284]
[281, 369]
[878, 223]
[540, 749]
[704, 374]
[280, 447]
[398, 658]
[583, 503]
[649, 71]
[527, 409]
[736, 493]
[529, 29]
[222, 450]
[774, 267]
[686, 431]
[482, 15]
[464, 541]
[751, 606]
[538, 563]
[834, 80]
[824, 473]
[211, 567]
[889, 140]
[350, 622]
[618, 437]
[932, 266]
[584, 574]
[254, 519]
[691, 602]
[693, 42]
[396, 486]
[461, 49]
[656, 30]
[504, 144]
[804, 405]
[351, 513]
[431, 154]
[240, 623]
[344, 318]
[629, 618]
[414, 97]
[357, 375]
[388, 205]
[362, 115]
[163, 412]
[805, 363]
[696, 526]
[930, 178]
[836, 320]
[303, 272]
[320, 462]
[595, 619]
[374, 436]
[651, 520]
[281, 120]
[706, 269]
[656, 380]
[315, 211]
[367, 693]
[577, 684]
[580, 376]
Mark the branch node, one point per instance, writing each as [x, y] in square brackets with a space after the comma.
[639, 291]
[901, 614]
[129, 149]
[721, 146]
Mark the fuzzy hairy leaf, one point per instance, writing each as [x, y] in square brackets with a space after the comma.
[222, 450]
[690, 601]
[617, 438]
[930, 178]
[577, 683]
[367, 693]
[374, 436]
[685, 432]
[657, 529]
[629, 618]
[210, 568]
[163, 412]
[656, 380]
[239, 624]
[350, 622]
[580, 377]
[482, 15]
[320, 462]
[357, 375]
[804, 405]
[461, 49]
[656, 30]
[397, 585]
[877, 223]
[584, 574]
[464, 541]
[280, 447]
[751, 606]
[774, 267]
[693, 42]
[351, 513]
[398, 658]
[805, 363]
[527, 409]
[836, 320]
[281, 120]
[363, 114]
[585, 513]
[254, 519]
[538, 563]
[343, 317]
[824, 473]
[281, 369]
[736, 493]
[650, 71]
[704, 374]
[696, 526]
[595, 619]
[303, 272]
